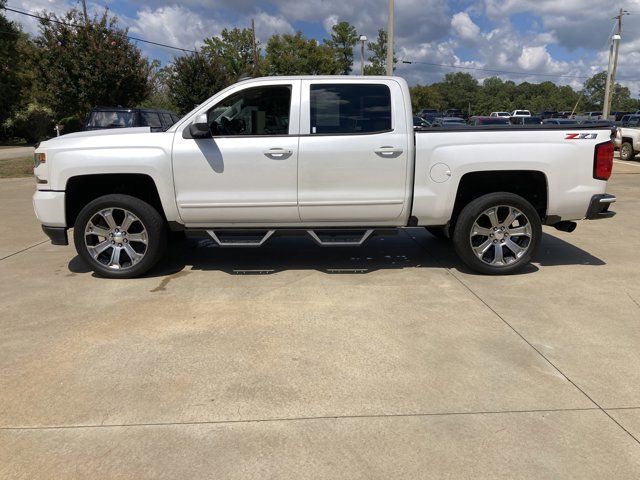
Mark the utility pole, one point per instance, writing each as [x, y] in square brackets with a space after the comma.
[363, 39]
[609, 88]
[255, 47]
[390, 40]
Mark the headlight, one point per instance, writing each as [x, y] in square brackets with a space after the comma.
[39, 158]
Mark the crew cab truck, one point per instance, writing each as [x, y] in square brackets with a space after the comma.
[332, 158]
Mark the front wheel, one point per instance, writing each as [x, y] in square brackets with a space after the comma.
[626, 151]
[497, 233]
[119, 236]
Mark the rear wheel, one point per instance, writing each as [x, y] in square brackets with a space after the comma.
[626, 151]
[120, 236]
[497, 233]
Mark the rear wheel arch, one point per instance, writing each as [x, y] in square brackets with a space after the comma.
[532, 185]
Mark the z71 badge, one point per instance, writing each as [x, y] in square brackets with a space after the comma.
[581, 136]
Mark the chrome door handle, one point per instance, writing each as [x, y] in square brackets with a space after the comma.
[277, 153]
[388, 151]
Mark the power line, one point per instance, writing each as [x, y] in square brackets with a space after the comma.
[495, 71]
[137, 39]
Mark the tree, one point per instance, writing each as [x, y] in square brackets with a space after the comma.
[159, 91]
[343, 38]
[426, 96]
[459, 90]
[233, 49]
[14, 73]
[288, 54]
[193, 78]
[84, 62]
[378, 59]
[593, 92]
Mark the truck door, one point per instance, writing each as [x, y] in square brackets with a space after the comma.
[247, 171]
[353, 152]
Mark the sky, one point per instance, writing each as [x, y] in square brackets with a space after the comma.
[566, 40]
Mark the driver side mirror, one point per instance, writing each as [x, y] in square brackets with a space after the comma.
[200, 127]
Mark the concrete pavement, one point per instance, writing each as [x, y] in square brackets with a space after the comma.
[292, 361]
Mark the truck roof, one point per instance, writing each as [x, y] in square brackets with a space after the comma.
[324, 77]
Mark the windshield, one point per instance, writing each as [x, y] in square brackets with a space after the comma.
[110, 119]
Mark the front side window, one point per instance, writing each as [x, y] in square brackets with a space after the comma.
[350, 108]
[253, 111]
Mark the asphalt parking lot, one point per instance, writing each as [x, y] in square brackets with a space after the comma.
[292, 361]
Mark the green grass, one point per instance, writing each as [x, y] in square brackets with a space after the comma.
[13, 143]
[16, 167]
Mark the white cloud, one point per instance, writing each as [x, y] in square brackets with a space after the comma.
[167, 25]
[267, 25]
[36, 7]
[329, 22]
[464, 27]
[533, 58]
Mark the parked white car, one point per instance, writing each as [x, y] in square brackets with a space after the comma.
[332, 158]
[520, 113]
[500, 114]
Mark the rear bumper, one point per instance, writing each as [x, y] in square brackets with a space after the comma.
[599, 206]
[58, 235]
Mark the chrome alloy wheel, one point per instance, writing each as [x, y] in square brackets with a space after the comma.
[500, 235]
[116, 238]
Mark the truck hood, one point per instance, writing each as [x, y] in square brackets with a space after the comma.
[56, 141]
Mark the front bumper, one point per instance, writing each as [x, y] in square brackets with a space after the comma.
[58, 235]
[599, 206]
[49, 206]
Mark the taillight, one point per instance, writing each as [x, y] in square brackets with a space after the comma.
[603, 161]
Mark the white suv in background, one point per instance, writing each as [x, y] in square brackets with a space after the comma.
[521, 113]
[500, 114]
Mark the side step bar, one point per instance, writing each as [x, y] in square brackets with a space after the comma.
[337, 238]
[240, 238]
[330, 237]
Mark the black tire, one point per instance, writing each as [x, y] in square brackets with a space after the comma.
[475, 210]
[148, 221]
[626, 151]
[439, 232]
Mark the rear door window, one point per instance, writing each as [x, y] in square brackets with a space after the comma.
[350, 109]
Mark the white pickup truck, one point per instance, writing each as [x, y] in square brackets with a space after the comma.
[628, 138]
[333, 158]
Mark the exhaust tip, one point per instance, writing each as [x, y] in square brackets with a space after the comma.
[566, 226]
